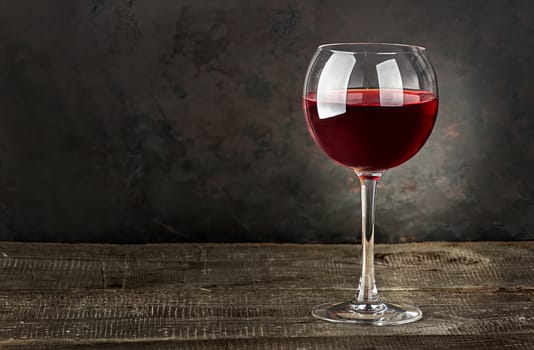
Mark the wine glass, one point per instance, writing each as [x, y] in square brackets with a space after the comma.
[370, 107]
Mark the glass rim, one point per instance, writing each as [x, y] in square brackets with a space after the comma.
[373, 48]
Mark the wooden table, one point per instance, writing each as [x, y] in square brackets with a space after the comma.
[259, 296]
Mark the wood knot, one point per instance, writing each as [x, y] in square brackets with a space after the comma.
[428, 259]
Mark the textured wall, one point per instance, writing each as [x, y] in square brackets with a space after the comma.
[181, 120]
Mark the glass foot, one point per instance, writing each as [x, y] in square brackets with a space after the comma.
[382, 314]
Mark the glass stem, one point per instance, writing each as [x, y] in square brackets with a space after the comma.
[367, 292]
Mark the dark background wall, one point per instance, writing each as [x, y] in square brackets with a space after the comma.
[181, 120]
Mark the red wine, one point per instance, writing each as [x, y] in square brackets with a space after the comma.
[371, 129]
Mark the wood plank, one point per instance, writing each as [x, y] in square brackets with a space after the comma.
[438, 342]
[487, 265]
[259, 296]
[188, 314]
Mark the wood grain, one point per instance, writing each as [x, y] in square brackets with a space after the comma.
[259, 296]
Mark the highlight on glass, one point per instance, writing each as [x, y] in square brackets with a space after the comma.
[370, 107]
